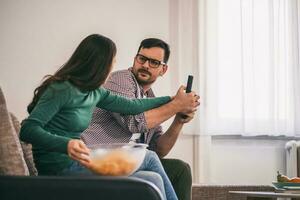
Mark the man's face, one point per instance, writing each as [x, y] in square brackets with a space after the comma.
[146, 73]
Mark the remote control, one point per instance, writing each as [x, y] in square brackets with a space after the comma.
[188, 88]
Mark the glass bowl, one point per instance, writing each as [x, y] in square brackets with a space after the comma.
[118, 159]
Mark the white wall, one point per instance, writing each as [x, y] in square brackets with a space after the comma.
[39, 36]
[234, 161]
[246, 161]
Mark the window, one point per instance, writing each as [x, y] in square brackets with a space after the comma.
[246, 64]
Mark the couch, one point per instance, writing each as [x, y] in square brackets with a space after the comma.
[19, 178]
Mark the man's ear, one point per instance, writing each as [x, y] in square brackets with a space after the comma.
[164, 70]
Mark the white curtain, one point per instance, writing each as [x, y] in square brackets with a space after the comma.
[184, 45]
[249, 67]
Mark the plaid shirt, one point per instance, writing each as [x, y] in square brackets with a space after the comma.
[108, 127]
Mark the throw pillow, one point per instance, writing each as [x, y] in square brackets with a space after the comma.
[11, 155]
[26, 147]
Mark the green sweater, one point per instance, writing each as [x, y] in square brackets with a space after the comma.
[62, 113]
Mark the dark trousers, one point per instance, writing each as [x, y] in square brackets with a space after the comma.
[180, 176]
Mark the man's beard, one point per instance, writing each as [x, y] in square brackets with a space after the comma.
[142, 81]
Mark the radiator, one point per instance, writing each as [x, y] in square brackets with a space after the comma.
[292, 166]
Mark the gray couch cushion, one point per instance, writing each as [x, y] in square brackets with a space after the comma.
[27, 148]
[11, 155]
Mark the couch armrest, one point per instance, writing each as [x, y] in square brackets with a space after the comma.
[220, 192]
[76, 188]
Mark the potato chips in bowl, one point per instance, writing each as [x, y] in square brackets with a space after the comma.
[118, 159]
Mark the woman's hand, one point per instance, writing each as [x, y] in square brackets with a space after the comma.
[186, 102]
[78, 151]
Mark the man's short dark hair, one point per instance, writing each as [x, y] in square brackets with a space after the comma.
[154, 42]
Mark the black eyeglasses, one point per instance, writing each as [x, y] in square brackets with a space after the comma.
[152, 62]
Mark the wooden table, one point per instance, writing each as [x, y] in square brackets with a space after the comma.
[272, 195]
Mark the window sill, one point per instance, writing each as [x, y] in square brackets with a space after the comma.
[261, 137]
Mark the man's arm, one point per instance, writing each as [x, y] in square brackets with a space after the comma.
[166, 141]
[122, 84]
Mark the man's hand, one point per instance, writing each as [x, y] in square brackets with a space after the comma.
[186, 102]
[78, 151]
[188, 117]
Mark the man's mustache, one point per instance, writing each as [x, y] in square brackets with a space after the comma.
[145, 72]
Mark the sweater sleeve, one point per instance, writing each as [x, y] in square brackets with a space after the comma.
[32, 128]
[115, 103]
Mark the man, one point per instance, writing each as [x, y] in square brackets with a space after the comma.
[149, 63]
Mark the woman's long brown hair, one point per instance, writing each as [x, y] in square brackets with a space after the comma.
[87, 69]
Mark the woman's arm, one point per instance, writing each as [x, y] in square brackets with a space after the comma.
[115, 103]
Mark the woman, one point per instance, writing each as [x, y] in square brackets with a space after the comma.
[62, 108]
